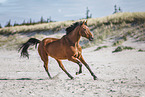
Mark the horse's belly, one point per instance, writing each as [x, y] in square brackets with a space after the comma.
[57, 56]
[57, 53]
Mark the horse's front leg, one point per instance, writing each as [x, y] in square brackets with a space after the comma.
[87, 66]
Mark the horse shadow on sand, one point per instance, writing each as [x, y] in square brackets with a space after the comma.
[53, 78]
[20, 79]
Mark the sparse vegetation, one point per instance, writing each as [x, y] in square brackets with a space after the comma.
[101, 47]
[52, 26]
[121, 48]
[119, 26]
[8, 24]
[140, 50]
[0, 26]
[118, 42]
[30, 22]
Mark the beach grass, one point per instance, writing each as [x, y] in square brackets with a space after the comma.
[119, 26]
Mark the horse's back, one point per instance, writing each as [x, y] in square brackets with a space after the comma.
[48, 40]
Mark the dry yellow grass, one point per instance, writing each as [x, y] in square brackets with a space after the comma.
[115, 25]
[55, 26]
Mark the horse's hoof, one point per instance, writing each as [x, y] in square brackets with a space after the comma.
[50, 78]
[95, 78]
[77, 73]
[72, 78]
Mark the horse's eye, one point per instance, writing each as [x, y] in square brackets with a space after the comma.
[84, 29]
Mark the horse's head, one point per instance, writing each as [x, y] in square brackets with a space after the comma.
[85, 31]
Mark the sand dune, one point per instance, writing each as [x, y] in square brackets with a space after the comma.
[119, 74]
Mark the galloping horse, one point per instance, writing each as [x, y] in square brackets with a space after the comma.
[65, 48]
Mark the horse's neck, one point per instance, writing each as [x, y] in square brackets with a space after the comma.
[74, 36]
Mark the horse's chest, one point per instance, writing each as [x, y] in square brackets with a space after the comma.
[74, 51]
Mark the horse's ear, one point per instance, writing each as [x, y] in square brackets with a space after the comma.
[86, 22]
[83, 22]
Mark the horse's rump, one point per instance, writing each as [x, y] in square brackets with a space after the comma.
[48, 40]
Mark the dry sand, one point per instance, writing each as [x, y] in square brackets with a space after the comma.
[119, 74]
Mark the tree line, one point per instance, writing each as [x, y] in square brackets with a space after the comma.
[30, 22]
[42, 20]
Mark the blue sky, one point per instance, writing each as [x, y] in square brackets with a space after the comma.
[61, 10]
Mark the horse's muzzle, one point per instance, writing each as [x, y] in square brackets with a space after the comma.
[91, 38]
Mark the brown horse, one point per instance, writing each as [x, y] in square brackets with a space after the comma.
[65, 48]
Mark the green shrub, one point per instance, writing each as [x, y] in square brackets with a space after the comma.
[121, 48]
[101, 47]
[140, 50]
[119, 42]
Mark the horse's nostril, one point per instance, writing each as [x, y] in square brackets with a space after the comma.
[91, 38]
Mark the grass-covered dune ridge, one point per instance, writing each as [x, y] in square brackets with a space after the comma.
[118, 18]
[53, 26]
[117, 26]
[136, 17]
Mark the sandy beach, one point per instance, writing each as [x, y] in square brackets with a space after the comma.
[119, 74]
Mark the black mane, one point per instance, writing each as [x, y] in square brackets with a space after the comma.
[72, 27]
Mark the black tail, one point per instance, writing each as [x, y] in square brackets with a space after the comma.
[25, 46]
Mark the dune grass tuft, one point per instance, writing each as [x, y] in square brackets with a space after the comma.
[121, 48]
[100, 47]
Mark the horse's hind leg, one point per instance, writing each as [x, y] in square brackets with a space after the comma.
[44, 58]
[62, 67]
[46, 67]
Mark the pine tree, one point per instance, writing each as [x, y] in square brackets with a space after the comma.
[115, 9]
[8, 24]
[0, 26]
[24, 23]
[90, 15]
[87, 13]
[41, 20]
[120, 10]
[16, 24]
[30, 21]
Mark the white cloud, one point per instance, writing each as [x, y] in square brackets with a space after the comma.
[73, 15]
[59, 10]
[2, 1]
